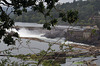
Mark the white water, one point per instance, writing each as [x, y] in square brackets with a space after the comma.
[36, 34]
[35, 44]
[26, 33]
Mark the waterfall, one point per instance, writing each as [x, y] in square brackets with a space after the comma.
[37, 32]
[23, 32]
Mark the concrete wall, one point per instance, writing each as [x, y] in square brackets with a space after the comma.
[83, 36]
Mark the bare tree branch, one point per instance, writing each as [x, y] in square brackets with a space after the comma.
[7, 2]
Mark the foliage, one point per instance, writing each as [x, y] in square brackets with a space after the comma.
[20, 6]
[9, 40]
[50, 20]
[50, 63]
[93, 31]
[6, 62]
[81, 62]
[87, 10]
[72, 16]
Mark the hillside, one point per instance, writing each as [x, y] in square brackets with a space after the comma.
[87, 9]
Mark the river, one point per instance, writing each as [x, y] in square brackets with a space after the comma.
[32, 46]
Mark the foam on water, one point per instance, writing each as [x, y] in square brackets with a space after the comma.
[26, 33]
[36, 34]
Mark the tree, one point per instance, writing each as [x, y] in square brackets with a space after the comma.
[20, 6]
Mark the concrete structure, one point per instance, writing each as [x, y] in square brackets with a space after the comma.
[89, 36]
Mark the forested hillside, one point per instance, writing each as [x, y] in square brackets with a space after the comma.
[87, 9]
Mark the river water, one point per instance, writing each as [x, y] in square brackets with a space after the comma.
[26, 46]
